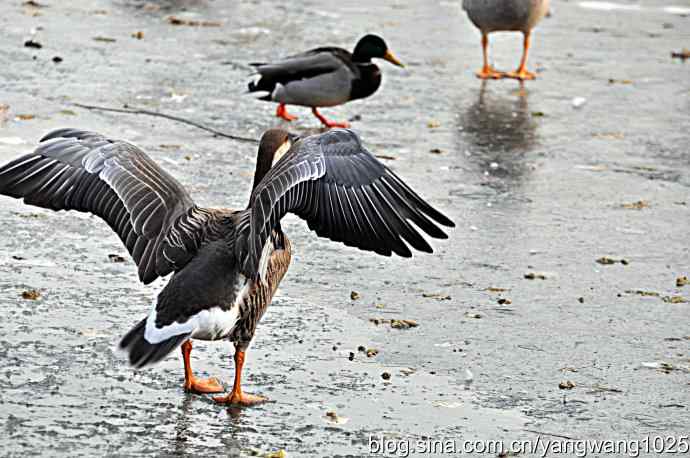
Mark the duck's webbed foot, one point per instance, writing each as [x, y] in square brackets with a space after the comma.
[281, 112]
[327, 122]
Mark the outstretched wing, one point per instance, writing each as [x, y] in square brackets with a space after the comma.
[151, 212]
[345, 194]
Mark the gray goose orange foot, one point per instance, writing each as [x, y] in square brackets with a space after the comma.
[225, 264]
[505, 15]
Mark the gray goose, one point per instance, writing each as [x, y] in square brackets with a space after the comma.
[506, 15]
[323, 77]
[225, 264]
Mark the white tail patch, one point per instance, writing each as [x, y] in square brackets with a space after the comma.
[209, 324]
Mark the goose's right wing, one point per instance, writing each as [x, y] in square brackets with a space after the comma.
[152, 213]
[345, 194]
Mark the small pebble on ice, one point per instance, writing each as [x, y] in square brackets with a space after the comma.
[578, 102]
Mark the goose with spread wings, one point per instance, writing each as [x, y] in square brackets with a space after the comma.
[225, 264]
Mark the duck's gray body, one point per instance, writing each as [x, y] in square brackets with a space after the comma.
[505, 15]
[321, 77]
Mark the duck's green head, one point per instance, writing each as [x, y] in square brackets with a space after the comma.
[372, 46]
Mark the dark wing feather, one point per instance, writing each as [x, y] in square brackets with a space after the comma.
[151, 212]
[298, 67]
[345, 194]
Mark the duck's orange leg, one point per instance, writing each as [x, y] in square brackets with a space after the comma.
[281, 112]
[326, 122]
[192, 383]
[237, 396]
[487, 71]
[521, 73]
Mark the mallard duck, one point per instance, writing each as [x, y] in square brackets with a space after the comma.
[323, 77]
[225, 264]
[506, 15]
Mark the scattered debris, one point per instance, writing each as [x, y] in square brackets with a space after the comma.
[386, 157]
[639, 205]
[493, 289]
[57, 59]
[361, 348]
[30, 215]
[665, 367]
[535, 276]
[617, 81]
[437, 296]
[18, 258]
[683, 54]
[104, 39]
[174, 147]
[380, 306]
[433, 124]
[174, 20]
[371, 352]
[581, 300]
[609, 135]
[31, 295]
[682, 281]
[403, 324]
[504, 301]
[437, 151]
[277, 454]
[386, 376]
[641, 292]
[67, 112]
[139, 35]
[354, 295]
[351, 356]
[472, 315]
[407, 371]
[333, 417]
[674, 299]
[397, 324]
[132, 110]
[24, 117]
[568, 369]
[607, 261]
[116, 258]
[33, 4]
[538, 114]
[567, 385]
[33, 44]
[603, 389]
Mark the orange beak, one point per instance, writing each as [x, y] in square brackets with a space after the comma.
[392, 59]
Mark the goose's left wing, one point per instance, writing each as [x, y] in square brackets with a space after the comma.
[345, 194]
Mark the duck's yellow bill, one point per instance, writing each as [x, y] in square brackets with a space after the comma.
[392, 59]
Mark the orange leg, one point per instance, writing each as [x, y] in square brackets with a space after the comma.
[237, 396]
[487, 71]
[192, 383]
[281, 112]
[521, 73]
[326, 122]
